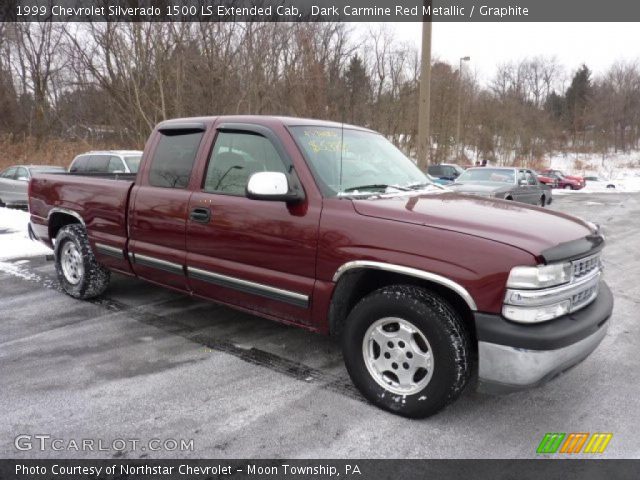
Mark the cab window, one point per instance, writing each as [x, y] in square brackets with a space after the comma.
[235, 157]
[9, 173]
[174, 157]
[115, 165]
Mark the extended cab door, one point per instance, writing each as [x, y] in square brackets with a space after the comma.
[159, 204]
[259, 255]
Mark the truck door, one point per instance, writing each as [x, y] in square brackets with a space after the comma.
[158, 207]
[255, 254]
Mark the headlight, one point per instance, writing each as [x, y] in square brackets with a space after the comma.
[540, 276]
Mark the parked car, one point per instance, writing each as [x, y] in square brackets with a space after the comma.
[506, 183]
[439, 181]
[547, 180]
[568, 182]
[109, 161]
[445, 171]
[423, 286]
[14, 182]
[600, 183]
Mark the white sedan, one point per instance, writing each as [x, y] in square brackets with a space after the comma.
[596, 183]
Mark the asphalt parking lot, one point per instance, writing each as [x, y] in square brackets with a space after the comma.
[144, 363]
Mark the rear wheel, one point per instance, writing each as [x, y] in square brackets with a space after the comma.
[78, 271]
[543, 201]
[407, 350]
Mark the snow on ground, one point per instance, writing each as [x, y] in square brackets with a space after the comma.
[14, 239]
[621, 169]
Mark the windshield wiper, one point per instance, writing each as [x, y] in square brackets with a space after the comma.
[419, 186]
[375, 186]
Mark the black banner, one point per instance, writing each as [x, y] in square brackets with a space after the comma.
[320, 10]
[319, 469]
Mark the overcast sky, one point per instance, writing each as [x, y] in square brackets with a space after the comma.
[489, 44]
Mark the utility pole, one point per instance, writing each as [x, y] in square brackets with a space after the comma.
[458, 120]
[424, 104]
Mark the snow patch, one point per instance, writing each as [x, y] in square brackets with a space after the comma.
[15, 241]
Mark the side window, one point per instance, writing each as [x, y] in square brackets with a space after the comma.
[235, 157]
[97, 164]
[435, 170]
[173, 159]
[115, 165]
[22, 174]
[79, 164]
[521, 176]
[10, 173]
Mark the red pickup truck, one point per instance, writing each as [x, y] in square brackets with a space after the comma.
[331, 228]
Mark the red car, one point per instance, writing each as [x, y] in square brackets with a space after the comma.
[331, 228]
[547, 180]
[568, 182]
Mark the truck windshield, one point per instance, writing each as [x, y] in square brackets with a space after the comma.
[351, 162]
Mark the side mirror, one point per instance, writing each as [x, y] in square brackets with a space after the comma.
[271, 186]
[22, 179]
[522, 182]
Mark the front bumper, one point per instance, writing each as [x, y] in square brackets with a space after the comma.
[515, 356]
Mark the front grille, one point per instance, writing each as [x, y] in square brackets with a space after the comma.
[584, 297]
[584, 266]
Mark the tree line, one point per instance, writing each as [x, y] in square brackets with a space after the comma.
[115, 81]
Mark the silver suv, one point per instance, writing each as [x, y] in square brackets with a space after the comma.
[108, 161]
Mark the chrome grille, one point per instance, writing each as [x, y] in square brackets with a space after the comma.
[585, 296]
[585, 266]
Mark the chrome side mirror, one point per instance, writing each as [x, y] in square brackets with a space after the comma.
[271, 186]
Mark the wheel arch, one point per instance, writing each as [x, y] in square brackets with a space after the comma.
[61, 217]
[355, 280]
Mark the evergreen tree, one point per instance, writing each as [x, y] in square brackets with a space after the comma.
[357, 91]
[577, 100]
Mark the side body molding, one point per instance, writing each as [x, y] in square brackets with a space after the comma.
[412, 272]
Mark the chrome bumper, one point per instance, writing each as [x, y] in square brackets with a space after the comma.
[514, 356]
[508, 368]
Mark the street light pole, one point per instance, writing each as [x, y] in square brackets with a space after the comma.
[424, 104]
[458, 119]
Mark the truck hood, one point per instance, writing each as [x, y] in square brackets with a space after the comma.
[529, 228]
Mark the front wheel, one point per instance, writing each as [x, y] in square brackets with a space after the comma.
[407, 350]
[78, 271]
[567, 187]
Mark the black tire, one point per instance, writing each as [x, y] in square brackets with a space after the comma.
[446, 335]
[93, 278]
[543, 201]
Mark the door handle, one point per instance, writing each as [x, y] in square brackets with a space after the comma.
[200, 215]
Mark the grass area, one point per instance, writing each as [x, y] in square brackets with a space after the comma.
[26, 150]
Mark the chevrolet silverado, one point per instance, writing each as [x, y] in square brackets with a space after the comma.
[331, 228]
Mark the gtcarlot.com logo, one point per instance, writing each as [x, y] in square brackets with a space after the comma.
[574, 443]
[44, 442]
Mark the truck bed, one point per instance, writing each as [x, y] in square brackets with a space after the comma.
[100, 200]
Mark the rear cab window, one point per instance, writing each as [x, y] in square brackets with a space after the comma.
[174, 157]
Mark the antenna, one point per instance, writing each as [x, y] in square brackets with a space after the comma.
[341, 148]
